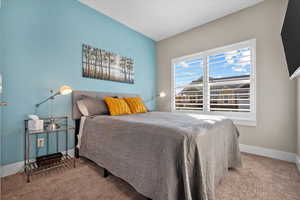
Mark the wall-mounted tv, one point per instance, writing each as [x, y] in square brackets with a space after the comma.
[290, 35]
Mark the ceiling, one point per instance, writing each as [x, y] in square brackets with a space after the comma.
[160, 19]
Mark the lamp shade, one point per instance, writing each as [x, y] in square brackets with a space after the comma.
[64, 90]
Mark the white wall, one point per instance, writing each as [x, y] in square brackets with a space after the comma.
[276, 94]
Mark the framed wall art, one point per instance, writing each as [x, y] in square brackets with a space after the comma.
[105, 65]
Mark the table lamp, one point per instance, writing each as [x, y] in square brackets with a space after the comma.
[64, 90]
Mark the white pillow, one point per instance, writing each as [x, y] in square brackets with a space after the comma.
[82, 108]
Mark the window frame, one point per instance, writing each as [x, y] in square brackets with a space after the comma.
[248, 119]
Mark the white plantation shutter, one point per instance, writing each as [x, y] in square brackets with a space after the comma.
[189, 88]
[230, 91]
[219, 81]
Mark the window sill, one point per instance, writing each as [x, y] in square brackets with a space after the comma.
[239, 121]
[243, 122]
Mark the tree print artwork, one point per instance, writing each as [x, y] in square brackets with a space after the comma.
[104, 65]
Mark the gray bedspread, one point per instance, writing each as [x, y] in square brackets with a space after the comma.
[164, 156]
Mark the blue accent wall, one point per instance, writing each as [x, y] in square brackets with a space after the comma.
[41, 44]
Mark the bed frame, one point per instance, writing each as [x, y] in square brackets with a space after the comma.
[76, 115]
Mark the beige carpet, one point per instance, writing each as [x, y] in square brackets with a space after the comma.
[260, 178]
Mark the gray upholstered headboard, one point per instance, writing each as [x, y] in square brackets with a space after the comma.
[77, 95]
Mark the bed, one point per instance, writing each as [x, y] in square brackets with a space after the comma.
[164, 156]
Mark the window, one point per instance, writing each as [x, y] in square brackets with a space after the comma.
[219, 81]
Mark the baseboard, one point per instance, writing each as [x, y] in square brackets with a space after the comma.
[270, 153]
[298, 162]
[14, 168]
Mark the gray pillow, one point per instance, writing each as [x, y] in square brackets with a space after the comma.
[89, 106]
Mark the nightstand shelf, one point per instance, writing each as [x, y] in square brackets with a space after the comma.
[31, 166]
[66, 161]
[63, 128]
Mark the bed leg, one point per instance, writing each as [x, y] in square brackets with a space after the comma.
[105, 173]
[76, 152]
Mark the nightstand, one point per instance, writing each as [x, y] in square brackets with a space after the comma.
[31, 165]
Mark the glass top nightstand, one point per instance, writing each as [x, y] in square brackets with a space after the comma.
[67, 160]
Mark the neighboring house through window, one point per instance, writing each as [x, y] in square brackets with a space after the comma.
[219, 81]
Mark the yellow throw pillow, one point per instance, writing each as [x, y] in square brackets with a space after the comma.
[136, 105]
[117, 106]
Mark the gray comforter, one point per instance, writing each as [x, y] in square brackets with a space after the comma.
[164, 156]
